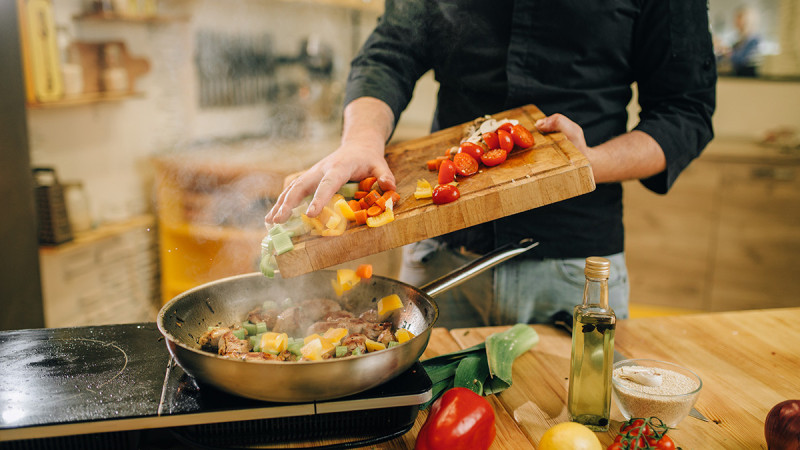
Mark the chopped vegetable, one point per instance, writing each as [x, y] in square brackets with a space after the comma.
[345, 210]
[272, 342]
[335, 335]
[403, 335]
[381, 219]
[424, 189]
[447, 172]
[348, 189]
[502, 349]
[239, 333]
[374, 346]
[340, 351]
[367, 184]
[389, 303]
[364, 271]
[261, 327]
[460, 419]
[445, 193]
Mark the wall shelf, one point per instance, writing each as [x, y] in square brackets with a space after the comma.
[86, 99]
[113, 17]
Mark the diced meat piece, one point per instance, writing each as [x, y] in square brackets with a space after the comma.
[321, 327]
[386, 336]
[318, 308]
[268, 316]
[229, 343]
[355, 341]
[336, 315]
[290, 321]
[373, 330]
[209, 341]
[370, 315]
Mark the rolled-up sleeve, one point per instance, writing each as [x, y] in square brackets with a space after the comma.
[675, 71]
[393, 57]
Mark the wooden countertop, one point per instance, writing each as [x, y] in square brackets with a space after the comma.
[748, 361]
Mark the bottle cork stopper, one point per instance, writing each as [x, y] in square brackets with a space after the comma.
[597, 267]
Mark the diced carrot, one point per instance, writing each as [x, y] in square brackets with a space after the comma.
[371, 197]
[433, 164]
[374, 210]
[361, 216]
[363, 204]
[354, 205]
[366, 183]
[381, 203]
[364, 271]
[360, 194]
[394, 196]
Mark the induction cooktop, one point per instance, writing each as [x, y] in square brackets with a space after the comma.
[94, 387]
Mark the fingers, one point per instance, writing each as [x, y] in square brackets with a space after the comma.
[291, 196]
[328, 186]
[561, 123]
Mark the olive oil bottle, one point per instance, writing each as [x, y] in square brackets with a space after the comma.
[593, 325]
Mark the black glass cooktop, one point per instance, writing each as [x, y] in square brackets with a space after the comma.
[71, 381]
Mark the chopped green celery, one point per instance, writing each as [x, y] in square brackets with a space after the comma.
[255, 343]
[261, 327]
[276, 229]
[341, 350]
[249, 327]
[348, 190]
[356, 351]
[296, 227]
[268, 266]
[282, 243]
[392, 344]
[295, 346]
[239, 333]
[301, 209]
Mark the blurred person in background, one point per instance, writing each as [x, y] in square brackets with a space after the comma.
[745, 55]
[576, 61]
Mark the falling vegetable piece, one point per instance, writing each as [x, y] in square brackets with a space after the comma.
[364, 271]
[389, 303]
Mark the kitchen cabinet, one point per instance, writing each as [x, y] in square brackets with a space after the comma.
[724, 237]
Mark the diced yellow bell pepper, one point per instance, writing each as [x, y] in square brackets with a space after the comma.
[335, 335]
[345, 210]
[316, 347]
[389, 303]
[381, 219]
[313, 222]
[374, 346]
[274, 342]
[347, 277]
[403, 335]
[424, 189]
[339, 229]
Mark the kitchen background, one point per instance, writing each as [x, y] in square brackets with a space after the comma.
[170, 125]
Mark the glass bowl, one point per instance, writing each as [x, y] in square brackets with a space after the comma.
[670, 402]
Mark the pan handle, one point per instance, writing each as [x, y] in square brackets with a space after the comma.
[477, 266]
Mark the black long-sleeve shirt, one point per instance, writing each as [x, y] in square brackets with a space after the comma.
[574, 57]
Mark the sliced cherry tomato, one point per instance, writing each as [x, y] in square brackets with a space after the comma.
[522, 137]
[505, 127]
[506, 141]
[447, 172]
[472, 149]
[445, 193]
[465, 164]
[490, 138]
[494, 157]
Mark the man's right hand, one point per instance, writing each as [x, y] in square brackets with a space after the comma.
[368, 123]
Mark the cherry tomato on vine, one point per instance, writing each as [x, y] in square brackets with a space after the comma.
[447, 172]
[490, 138]
[472, 149]
[506, 141]
[494, 157]
[465, 164]
[522, 137]
[445, 193]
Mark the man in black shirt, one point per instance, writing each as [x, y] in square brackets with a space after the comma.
[574, 59]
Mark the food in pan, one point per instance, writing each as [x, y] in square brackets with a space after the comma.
[310, 330]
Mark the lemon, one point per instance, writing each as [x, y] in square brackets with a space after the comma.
[569, 436]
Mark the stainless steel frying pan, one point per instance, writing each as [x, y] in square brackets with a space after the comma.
[226, 301]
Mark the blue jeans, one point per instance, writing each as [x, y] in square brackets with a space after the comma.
[519, 290]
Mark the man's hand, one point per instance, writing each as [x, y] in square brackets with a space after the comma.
[633, 155]
[368, 124]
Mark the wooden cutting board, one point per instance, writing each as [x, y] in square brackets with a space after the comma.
[550, 171]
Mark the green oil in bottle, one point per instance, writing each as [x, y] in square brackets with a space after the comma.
[593, 327]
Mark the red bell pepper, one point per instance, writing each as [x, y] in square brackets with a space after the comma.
[459, 419]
